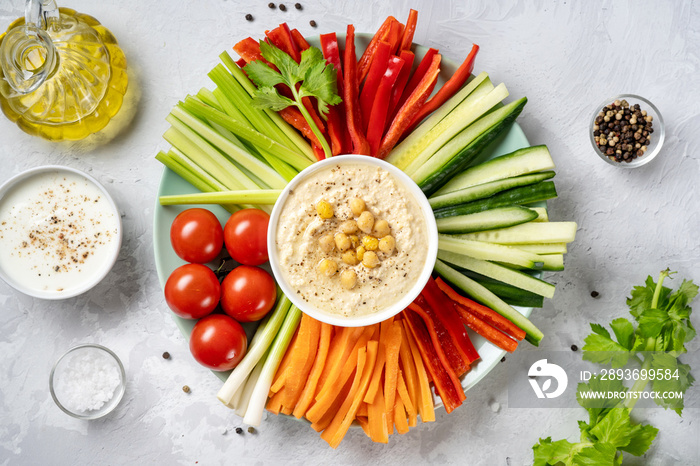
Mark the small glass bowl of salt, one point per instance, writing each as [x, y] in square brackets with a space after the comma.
[88, 381]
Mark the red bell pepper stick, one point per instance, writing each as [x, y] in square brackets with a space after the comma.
[418, 75]
[409, 30]
[368, 55]
[350, 95]
[380, 106]
[444, 309]
[408, 110]
[450, 391]
[337, 127]
[394, 36]
[492, 334]
[281, 37]
[407, 56]
[483, 312]
[369, 89]
[299, 39]
[448, 89]
[249, 50]
[442, 340]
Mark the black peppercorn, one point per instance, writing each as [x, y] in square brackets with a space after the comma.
[249, 17]
[312, 23]
[574, 348]
[297, 6]
[166, 355]
[239, 430]
[283, 7]
[594, 294]
[271, 6]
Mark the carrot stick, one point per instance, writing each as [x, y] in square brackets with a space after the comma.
[364, 423]
[274, 404]
[393, 343]
[408, 369]
[492, 334]
[303, 358]
[400, 417]
[328, 394]
[340, 349]
[409, 30]
[406, 400]
[351, 412]
[362, 410]
[425, 404]
[376, 415]
[483, 312]
[281, 374]
[309, 390]
[327, 418]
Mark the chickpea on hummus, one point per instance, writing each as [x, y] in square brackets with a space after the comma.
[351, 239]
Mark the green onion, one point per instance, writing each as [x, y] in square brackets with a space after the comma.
[256, 406]
[262, 196]
[266, 333]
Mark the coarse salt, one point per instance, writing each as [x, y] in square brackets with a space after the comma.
[88, 381]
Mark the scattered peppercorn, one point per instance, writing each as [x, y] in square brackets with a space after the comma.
[239, 431]
[249, 17]
[271, 6]
[186, 389]
[503, 359]
[251, 430]
[312, 23]
[594, 294]
[166, 355]
[297, 6]
[574, 348]
[622, 132]
[283, 7]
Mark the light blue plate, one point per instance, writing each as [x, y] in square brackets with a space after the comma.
[170, 183]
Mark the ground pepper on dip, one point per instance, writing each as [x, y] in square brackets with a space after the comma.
[326, 204]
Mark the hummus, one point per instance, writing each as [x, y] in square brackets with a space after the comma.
[301, 228]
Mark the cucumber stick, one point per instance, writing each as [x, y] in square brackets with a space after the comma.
[499, 272]
[466, 147]
[528, 233]
[402, 154]
[522, 161]
[482, 295]
[512, 295]
[461, 117]
[487, 220]
[542, 215]
[551, 262]
[485, 190]
[517, 196]
[487, 251]
[543, 248]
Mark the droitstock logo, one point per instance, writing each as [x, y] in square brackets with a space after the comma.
[545, 371]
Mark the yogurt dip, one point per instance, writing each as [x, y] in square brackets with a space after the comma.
[301, 228]
[59, 232]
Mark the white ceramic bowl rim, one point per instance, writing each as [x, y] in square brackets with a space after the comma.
[108, 406]
[657, 142]
[91, 280]
[407, 298]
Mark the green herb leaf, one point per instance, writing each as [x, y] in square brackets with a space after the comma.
[288, 68]
[642, 296]
[615, 428]
[596, 455]
[598, 407]
[675, 377]
[262, 75]
[268, 97]
[547, 452]
[640, 441]
[651, 322]
[603, 350]
[624, 332]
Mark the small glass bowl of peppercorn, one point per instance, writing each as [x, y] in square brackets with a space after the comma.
[627, 131]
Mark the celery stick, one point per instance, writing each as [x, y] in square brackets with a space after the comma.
[206, 96]
[285, 170]
[298, 141]
[262, 340]
[232, 172]
[235, 153]
[242, 144]
[242, 130]
[253, 414]
[262, 196]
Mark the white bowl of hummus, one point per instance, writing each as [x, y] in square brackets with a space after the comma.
[352, 240]
[60, 232]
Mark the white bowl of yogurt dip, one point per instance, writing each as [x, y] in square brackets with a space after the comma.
[352, 240]
[60, 232]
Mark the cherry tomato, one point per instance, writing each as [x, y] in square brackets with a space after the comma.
[248, 293]
[245, 235]
[196, 235]
[192, 291]
[218, 342]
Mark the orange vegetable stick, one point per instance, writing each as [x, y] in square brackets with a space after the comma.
[376, 415]
[309, 390]
[281, 374]
[408, 369]
[364, 423]
[400, 417]
[426, 406]
[274, 404]
[391, 371]
[377, 375]
[302, 361]
[328, 394]
[328, 417]
[338, 429]
[341, 346]
[362, 410]
[406, 401]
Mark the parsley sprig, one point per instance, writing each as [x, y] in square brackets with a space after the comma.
[311, 77]
[662, 329]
